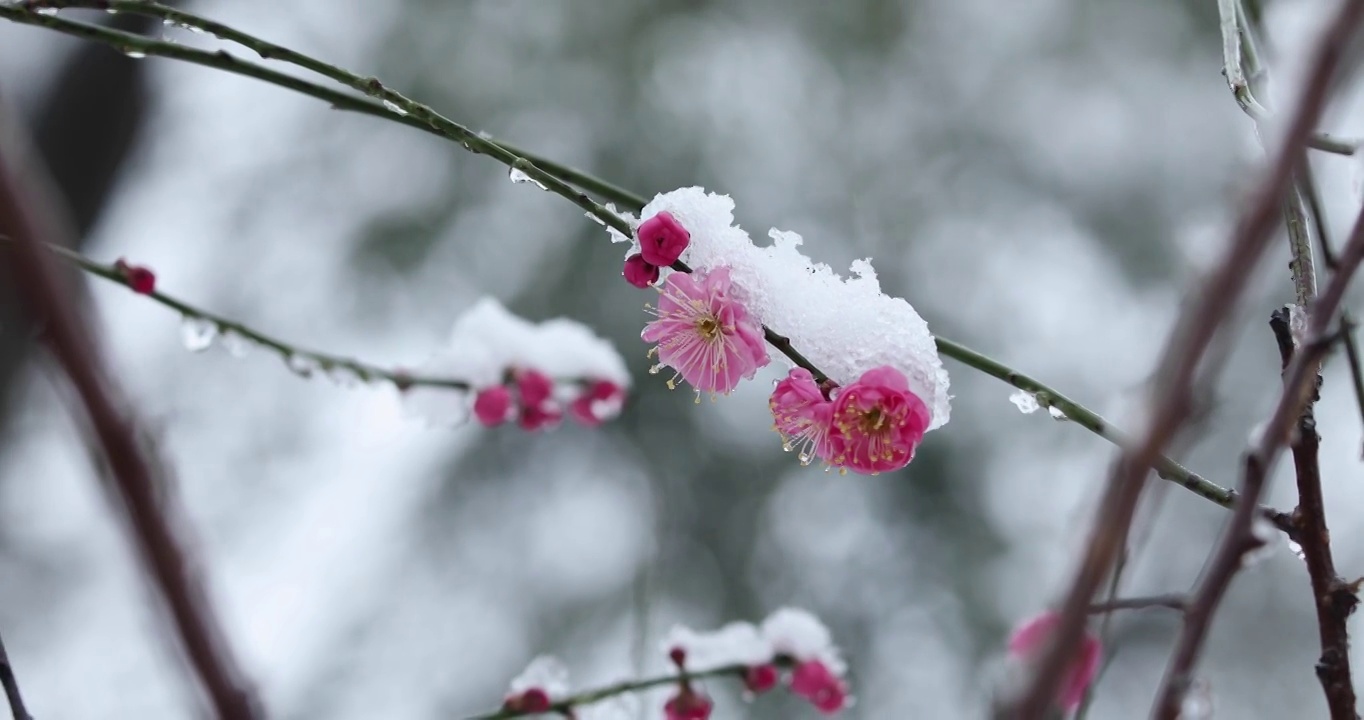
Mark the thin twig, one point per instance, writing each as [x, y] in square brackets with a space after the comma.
[1335, 598]
[566, 705]
[11, 684]
[1298, 390]
[1167, 468]
[1178, 367]
[1173, 601]
[27, 217]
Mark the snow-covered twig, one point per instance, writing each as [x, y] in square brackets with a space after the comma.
[565, 705]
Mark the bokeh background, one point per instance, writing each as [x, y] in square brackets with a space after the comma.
[1043, 181]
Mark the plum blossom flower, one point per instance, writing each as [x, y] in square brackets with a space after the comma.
[704, 333]
[539, 409]
[140, 279]
[538, 687]
[493, 406]
[601, 401]
[1029, 639]
[814, 681]
[878, 422]
[662, 239]
[688, 704]
[802, 416]
[639, 272]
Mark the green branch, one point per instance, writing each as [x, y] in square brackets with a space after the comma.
[395, 107]
[299, 360]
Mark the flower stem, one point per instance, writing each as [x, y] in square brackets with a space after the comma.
[622, 688]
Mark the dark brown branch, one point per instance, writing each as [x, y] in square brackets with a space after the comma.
[1335, 599]
[1299, 389]
[1173, 601]
[11, 684]
[1178, 367]
[27, 217]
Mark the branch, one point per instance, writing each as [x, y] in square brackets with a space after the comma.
[1166, 467]
[1178, 367]
[1174, 601]
[11, 683]
[292, 355]
[26, 217]
[1335, 599]
[566, 705]
[1298, 392]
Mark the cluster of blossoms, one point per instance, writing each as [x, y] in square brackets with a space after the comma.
[790, 646]
[789, 638]
[885, 384]
[532, 374]
[1031, 637]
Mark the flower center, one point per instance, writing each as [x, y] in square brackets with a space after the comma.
[708, 326]
[873, 420]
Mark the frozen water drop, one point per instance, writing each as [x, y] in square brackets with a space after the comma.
[303, 365]
[45, 10]
[394, 107]
[1197, 702]
[197, 334]
[1057, 414]
[236, 344]
[135, 54]
[518, 175]
[1025, 402]
[344, 377]
[1296, 549]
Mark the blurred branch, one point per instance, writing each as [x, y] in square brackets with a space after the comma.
[125, 42]
[11, 683]
[1174, 601]
[1335, 598]
[27, 217]
[299, 360]
[1175, 378]
[566, 705]
[1299, 389]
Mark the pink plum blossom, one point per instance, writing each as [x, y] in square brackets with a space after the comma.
[705, 334]
[493, 405]
[601, 401]
[814, 681]
[662, 239]
[538, 407]
[802, 415]
[878, 422]
[639, 272]
[1032, 636]
[688, 704]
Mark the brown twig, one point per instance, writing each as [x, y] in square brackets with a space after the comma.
[11, 683]
[1298, 389]
[1179, 363]
[26, 217]
[1172, 601]
[1335, 599]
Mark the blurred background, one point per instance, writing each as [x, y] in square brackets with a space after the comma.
[1042, 181]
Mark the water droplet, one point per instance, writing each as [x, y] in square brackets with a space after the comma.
[1197, 703]
[45, 10]
[1057, 414]
[394, 107]
[485, 135]
[1296, 549]
[236, 344]
[197, 334]
[344, 377]
[135, 54]
[303, 365]
[518, 175]
[1025, 402]
[805, 459]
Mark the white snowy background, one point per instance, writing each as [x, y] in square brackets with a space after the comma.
[1041, 180]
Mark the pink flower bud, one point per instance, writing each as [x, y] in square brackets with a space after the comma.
[688, 704]
[1033, 635]
[538, 407]
[533, 700]
[760, 678]
[600, 402]
[140, 279]
[662, 239]
[639, 272]
[813, 681]
[493, 405]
